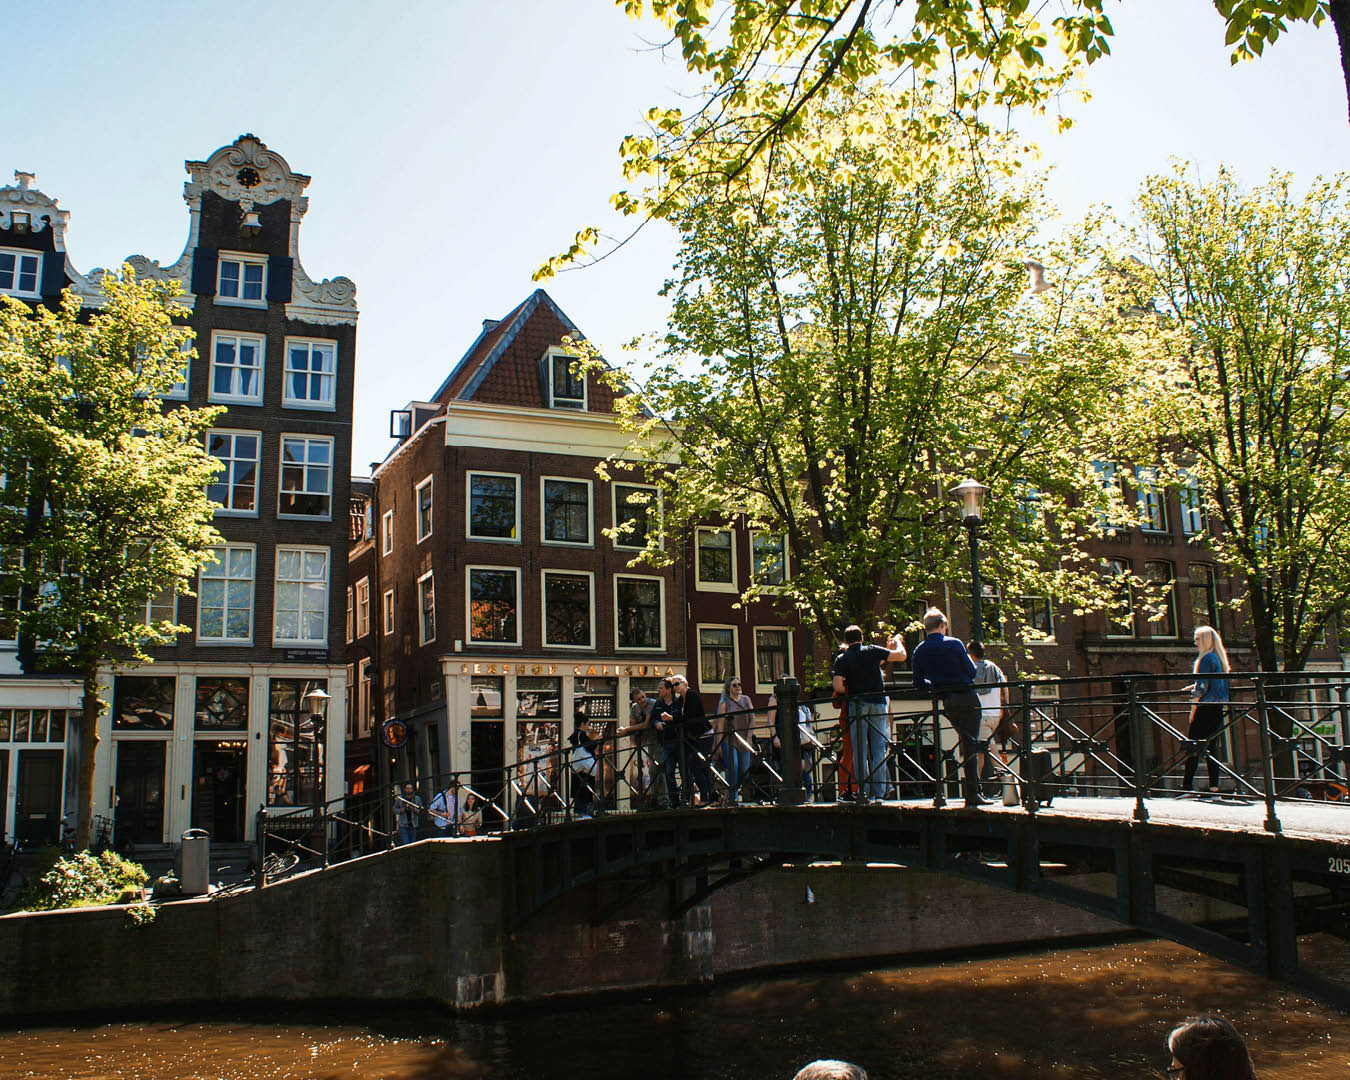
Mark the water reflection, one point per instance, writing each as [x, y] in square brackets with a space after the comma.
[1101, 1012]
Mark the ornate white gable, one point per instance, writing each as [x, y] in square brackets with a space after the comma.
[42, 210]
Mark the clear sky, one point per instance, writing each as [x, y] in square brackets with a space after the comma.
[454, 144]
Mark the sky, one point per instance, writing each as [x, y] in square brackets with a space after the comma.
[456, 144]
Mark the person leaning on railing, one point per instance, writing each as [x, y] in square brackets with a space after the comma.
[648, 785]
[944, 668]
[732, 724]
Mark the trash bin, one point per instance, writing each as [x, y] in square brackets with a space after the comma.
[194, 871]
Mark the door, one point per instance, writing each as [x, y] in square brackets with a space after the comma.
[218, 790]
[487, 758]
[37, 802]
[138, 817]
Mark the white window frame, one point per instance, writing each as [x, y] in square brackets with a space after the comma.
[351, 615]
[362, 608]
[714, 586]
[328, 404]
[469, 534]
[147, 614]
[1021, 618]
[427, 482]
[203, 639]
[543, 606]
[787, 560]
[735, 648]
[468, 605]
[19, 255]
[590, 512]
[303, 550]
[1171, 597]
[553, 402]
[1148, 490]
[765, 688]
[1134, 630]
[243, 258]
[281, 474]
[179, 390]
[18, 592]
[260, 343]
[365, 697]
[387, 611]
[1192, 503]
[661, 591]
[387, 534]
[422, 638]
[655, 506]
[229, 511]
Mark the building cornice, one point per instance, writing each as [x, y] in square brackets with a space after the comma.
[530, 430]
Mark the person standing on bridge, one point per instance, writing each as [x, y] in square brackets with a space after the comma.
[857, 672]
[698, 741]
[1209, 695]
[734, 719]
[445, 809]
[944, 668]
[665, 719]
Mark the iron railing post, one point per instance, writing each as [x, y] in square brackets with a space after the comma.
[939, 774]
[1344, 761]
[1135, 715]
[260, 836]
[1024, 750]
[1267, 754]
[391, 810]
[789, 742]
[321, 812]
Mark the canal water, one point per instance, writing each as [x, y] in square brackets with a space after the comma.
[1097, 1012]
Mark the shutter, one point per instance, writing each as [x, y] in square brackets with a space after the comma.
[53, 273]
[279, 278]
[204, 271]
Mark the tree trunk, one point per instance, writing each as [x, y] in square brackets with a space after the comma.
[92, 708]
[1340, 19]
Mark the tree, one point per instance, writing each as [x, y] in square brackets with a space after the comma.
[843, 351]
[105, 489]
[1242, 386]
[770, 65]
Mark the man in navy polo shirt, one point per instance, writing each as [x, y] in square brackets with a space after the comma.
[942, 666]
[857, 672]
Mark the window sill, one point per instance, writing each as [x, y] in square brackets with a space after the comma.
[212, 643]
[308, 406]
[640, 648]
[234, 301]
[713, 586]
[281, 643]
[233, 399]
[568, 543]
[471, 643]
[318, 518]
[223, 512]
[574, 648]
[491, 539]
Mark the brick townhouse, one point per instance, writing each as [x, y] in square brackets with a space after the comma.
[217, 724]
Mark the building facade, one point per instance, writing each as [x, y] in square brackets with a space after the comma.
[219, 724]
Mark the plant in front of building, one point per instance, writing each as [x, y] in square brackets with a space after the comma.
[104, 504]
[84, 880]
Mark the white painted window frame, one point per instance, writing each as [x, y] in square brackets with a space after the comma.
[469, 534]
[589, 575]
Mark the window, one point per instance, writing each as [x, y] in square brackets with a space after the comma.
[302, 597]
[311, 374]
[389, 611]
[567, 386]
[634, 507]
[365, 702]
[1204, 595]
[363, 607]
[569, 610]
[387, 533]
[493, 596]
[241, 279]
[222, 705]
[493, 511]
[1120, 614]
[143, 702]
[160, 608]
[19, 272]
[1192, 508]
[768, 558]
[1159, 575]
[566, 515]
[1028, 517]
[296, 741]
[716, 654]
[1038, 619]
[423, 502]
[773, 655]
[236, 367]
[639, 615]
[1109, 482]
[306, 477]
[715, 556]
[991, 612]
[426, 609]
[36, 725]
[225, 595]
[11, 561]
[1151, 500]
[351, 609]
[179, 390]
[235, 488]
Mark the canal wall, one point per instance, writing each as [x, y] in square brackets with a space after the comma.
[425, 922]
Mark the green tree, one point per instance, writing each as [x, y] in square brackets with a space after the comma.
[769, 65]
[1242, 385]
[844, 351]
[105, 488]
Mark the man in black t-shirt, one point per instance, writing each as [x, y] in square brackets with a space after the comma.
[698, 741]
[857, 673]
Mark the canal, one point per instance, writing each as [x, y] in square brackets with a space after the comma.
[1095, 1012]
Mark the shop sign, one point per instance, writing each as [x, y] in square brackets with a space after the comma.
[394, 733]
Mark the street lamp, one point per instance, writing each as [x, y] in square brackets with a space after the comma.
[972, 494]
[316, 704]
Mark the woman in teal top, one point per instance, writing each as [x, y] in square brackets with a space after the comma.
[1209, 694]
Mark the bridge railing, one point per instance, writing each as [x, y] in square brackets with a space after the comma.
[1280, 738]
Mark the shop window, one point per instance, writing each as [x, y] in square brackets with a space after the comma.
[597, 699]
[36, 725]
[295, 744]
[485, 697]
[143, 703]
[222, 705]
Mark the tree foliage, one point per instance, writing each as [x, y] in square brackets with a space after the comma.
[105, 489]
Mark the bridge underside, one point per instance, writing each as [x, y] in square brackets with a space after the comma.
[1277, 905]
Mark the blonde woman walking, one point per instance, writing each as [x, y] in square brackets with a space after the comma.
[1209, 695]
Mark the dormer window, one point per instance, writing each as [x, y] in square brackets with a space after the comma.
[566, 386]
[241, 279]
[19, 272]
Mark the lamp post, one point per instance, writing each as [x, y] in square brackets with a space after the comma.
[316, 704]
[972, 494]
